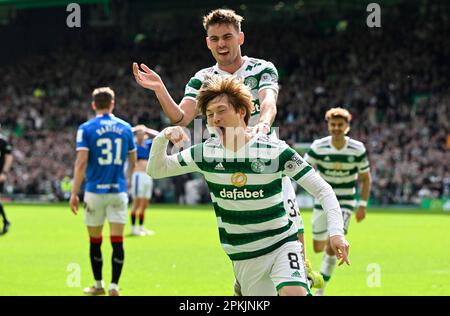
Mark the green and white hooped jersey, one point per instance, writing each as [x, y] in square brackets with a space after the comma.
[340, 168]
[258, 74]
[246, 191]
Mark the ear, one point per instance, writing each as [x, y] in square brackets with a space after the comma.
[241, 38]
[208, 44]
[93, 105]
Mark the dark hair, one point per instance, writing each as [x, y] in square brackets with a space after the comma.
[103, 97]
[222, 16]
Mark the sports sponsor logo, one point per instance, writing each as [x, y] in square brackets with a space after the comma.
[337, 173]
[337, 166]
[238, 179]
[245, 194]
[351, 159]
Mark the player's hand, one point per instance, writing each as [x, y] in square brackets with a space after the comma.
[176, 135]
[261, 127]
[2, 177]
[360, 214]
[340, 247]
[74, 203]
[146, 77]
[139, 128]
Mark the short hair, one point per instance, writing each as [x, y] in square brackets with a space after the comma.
[338, 113]
[237, 92]
[222, 16]
[103, 97]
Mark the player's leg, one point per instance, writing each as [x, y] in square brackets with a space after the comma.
[94, 219]
[319, 223]
[118, 256]
[252, 276]
[288, 272]
[6, 223]
[145, 196]
[95, 254]
[116, 212]
[135, 204]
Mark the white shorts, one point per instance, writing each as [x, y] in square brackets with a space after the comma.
[141, 185]
[290, 203]
[267, 274]
[111, 206]
[319, 223]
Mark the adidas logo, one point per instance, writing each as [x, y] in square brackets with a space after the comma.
[327, 158]
[296, 274]
[219, 166]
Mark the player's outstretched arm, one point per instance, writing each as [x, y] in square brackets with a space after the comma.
[160, 165]
[181, 114]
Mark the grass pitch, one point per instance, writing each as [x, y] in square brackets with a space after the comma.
[46, 253]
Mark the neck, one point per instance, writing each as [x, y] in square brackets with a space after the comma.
[232, 68]
[237, 141]
[338, 141]
[102, 112]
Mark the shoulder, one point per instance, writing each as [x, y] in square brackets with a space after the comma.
[202, 74]
[356, 145]
[263, 140]
[88, 123]
[212, 142]
[260, 63]
[321, 143]
[122, 122]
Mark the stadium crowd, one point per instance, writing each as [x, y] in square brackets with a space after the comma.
[394, 80]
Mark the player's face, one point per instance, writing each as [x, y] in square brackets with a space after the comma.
[337, 127]
[225, 42]
[140, 136]
[222, 117]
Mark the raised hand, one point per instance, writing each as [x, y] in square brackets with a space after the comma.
[146, 77]
[176, 135]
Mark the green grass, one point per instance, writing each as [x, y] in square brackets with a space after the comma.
[184, 257]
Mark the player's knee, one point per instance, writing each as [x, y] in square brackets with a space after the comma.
[292, 291]
[318, 246]
[329, 250]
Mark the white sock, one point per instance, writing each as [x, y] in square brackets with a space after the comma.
[327, 267]
[113, 286]
[141, 227]
[98, 284]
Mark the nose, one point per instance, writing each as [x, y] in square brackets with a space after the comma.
[221, 43]
[216, 118]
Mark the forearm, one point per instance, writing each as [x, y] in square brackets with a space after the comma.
[8, 163]
[365, 186]
[78, 177]
[323, 192]
[268, 111]
[170, 108]
[160, 165]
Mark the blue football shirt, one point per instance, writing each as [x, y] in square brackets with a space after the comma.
[109, 140]
[143, 151]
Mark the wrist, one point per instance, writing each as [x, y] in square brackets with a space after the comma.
[362, 203]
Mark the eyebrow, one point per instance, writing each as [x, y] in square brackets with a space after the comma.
[215, 36]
